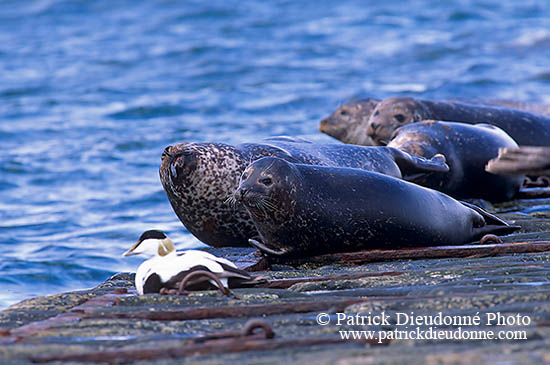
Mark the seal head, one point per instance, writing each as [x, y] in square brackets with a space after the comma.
[266, 190]
[391, 114]
[348, 122]
[198, 179]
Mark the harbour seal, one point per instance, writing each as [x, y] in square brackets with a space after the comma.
[348, 123]
[200, 178]
[525, 128]
[303, 210]
[467, 149]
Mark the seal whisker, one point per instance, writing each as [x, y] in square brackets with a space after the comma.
[261, 208]
[231, 201]
[255, 213]
[269, 205]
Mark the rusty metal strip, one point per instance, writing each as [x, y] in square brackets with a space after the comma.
[41, 326]
[73, 315]
[287, 283]
[100, 301]
[366, 256]
[251, 310]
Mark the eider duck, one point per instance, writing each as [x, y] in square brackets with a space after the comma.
[168, 267]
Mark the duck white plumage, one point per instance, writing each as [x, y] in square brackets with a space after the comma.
[168, 267]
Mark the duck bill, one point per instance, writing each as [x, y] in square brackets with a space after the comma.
[131, 252]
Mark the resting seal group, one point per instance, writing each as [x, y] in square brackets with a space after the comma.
[525, 128]
[349, 123]
[298, 198]
[200, 178]
[302, 210]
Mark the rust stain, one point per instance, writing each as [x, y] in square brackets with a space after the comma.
[74, 315]
[476, 250]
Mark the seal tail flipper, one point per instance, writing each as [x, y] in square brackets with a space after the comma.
[493, 224]
[522, 160]
[489, 218]
[412, 166]
[496, 230]
[260, 246]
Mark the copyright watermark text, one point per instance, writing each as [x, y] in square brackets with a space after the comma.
[410, 326]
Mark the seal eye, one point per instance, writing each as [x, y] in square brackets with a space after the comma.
[376, 113]
[266, 181]
[244, 176]
[344, 112]
[399, 117]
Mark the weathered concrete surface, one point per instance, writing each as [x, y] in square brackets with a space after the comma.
[107, 325]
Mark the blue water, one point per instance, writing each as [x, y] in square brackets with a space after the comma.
[92, 91]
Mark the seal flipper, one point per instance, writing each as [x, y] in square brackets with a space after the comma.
[523, 160]
[412, 167]
[493, 224]
[260, 246]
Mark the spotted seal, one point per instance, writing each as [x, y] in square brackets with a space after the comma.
[525, 128]
[303, 210]
[200, 178]
[467, 149]
[348, 123]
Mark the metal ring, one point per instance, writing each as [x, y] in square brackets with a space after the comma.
[252, 324]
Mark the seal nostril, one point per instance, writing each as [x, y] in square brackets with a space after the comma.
[370, 131]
